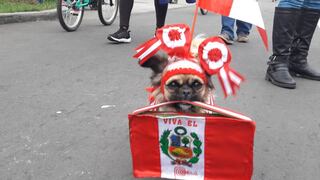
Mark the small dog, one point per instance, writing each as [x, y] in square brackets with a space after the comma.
[175, 79]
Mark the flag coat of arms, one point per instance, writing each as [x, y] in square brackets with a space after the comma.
[216, 146]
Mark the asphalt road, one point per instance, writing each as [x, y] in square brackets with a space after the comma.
[64, 100]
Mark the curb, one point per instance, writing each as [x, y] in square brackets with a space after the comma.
[6, 18]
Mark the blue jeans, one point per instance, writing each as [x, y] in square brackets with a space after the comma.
[228, 26]
[311, 4]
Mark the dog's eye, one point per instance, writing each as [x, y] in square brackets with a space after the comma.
[173, 84]
[196, 84]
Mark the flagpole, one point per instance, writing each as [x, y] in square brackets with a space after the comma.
[194, 21]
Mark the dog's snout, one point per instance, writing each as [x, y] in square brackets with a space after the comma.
[186, 93]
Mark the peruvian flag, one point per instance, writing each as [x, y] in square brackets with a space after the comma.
[244, 10]
[192, 147]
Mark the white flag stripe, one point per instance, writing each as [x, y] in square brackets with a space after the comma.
[248, 11]
[152, 48]
[190, 125]
[319, 23]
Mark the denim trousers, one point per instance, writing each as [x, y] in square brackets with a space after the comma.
[228, 26]
[310, 4]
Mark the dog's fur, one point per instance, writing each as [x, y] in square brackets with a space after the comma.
[178, 87]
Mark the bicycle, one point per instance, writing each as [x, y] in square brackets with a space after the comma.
[70, 12]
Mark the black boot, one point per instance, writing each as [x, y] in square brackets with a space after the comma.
[298, 65]
[278, 72]
[284, 25]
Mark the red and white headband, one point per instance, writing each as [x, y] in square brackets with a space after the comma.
[182, 66]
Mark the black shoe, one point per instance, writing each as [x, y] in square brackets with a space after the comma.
[121, 36]
[278, 73]
[304, 71]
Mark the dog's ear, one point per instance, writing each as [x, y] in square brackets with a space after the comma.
[157, 63]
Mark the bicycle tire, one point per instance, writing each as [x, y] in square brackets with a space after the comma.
[203, 11]
[111, 6]
[68, 12]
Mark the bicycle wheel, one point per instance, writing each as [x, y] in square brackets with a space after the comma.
[107, 10]
[203, 11]
[69, 16]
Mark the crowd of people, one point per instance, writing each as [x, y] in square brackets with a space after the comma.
[294, 24]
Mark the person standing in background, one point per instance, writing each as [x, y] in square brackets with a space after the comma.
[294, 24]
[227, 31]
[123, 34]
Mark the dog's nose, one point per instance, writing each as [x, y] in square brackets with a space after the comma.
[186, 93]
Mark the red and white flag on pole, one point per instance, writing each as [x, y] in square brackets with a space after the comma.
[244, 10]
[192, 147]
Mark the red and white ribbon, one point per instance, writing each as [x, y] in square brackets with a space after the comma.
[173, 39]
[215, 58]
[148, 49]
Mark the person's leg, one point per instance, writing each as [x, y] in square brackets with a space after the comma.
[227, 33]
[125, 13]
[123, 34]
[284, 25]
[161, 13]
[243, 27]
[298, 64]
[243, 31]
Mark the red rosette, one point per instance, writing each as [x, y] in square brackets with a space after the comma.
[175, 39]
[215, 58]
[214, 54]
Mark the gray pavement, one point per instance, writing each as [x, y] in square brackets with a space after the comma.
[64, 100]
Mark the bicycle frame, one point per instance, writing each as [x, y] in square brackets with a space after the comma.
[84, 3]
[80, 4]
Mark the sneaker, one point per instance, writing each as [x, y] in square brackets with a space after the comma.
[121, 36]
[243, 38]
[226, 38]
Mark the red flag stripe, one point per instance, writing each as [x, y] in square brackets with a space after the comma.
[145, 146]
[222, 7]
[264, 37]
[233, 159]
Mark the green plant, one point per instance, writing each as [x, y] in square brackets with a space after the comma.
[10, 6]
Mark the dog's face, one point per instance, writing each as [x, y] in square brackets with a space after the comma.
[187, 87]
